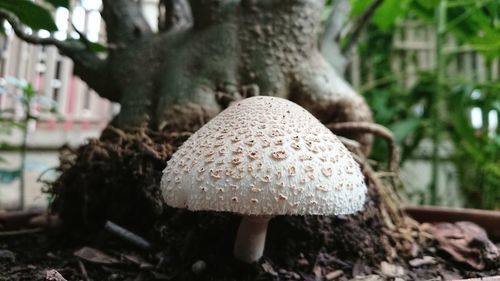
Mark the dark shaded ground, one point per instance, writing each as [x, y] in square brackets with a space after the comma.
[116, 178]
[177, 260]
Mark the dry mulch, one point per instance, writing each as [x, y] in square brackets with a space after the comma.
[31, 256]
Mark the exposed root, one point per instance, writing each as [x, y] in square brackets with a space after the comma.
[372, 128]
[398, 227]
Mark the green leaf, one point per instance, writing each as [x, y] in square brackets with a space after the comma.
[359, 6]
[94, 46]
[496, 105]
[385, 16]
[403, 128]
[59, 3]
[98, 48]
[29, 91]
[29, 13]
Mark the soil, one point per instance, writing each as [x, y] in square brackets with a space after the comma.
[288, 256]
[116, 179]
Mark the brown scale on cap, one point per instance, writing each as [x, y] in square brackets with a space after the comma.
[260, 149]
[279, 155]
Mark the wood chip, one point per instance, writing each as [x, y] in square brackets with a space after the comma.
[138, 260]
[422, 261]
[317, 272]
[83, 270]
[371, 277]
[334, 275]
[95, 256]
[391, 270]
[269, 269]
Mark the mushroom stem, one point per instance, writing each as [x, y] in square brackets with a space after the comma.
[251, 238]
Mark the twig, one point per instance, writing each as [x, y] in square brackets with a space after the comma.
[378, 130]
[20, 232]
[349, 143]
[83, 270]
[87, 65]
[32, 38]
[385, 174]
[83, 38]
[127, 235]
[363, 20]
[355, 148]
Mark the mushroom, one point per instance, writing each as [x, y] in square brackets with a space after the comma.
[263, 157]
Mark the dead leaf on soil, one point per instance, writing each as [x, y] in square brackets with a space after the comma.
[466, 242]
[391, 270]
[95, 256]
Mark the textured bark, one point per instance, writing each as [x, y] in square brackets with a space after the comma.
[329, 44]
[210, 53]
[182, 77]
[174, 14]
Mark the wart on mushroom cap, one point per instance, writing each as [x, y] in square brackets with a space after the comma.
[264, 156]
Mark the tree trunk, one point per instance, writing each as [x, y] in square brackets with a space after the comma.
[182, 77]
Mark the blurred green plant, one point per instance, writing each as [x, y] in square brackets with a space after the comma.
[30, 105]
[438, 107]
[38, 16]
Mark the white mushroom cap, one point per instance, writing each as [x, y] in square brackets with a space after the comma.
[264, 156]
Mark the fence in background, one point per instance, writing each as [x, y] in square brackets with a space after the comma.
[413, 50]
[51, 74]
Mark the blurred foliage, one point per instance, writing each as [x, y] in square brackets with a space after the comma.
[30, 104]
[38, 16]
[477, 156]
[31, 14]
[473, 22]
[407, 112]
